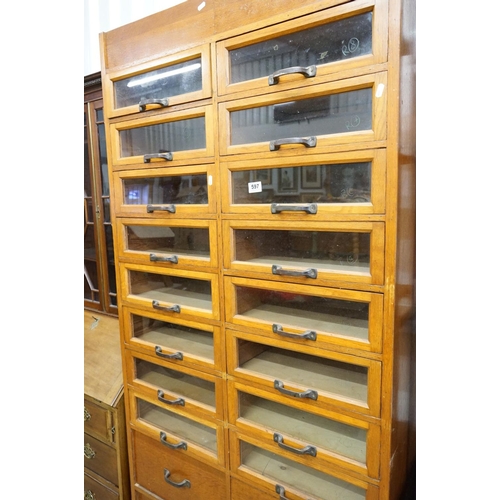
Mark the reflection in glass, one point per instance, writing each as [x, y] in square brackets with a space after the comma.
[335, 41]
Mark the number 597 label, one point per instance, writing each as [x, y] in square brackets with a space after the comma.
[255, 187]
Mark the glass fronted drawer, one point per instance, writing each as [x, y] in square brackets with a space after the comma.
[165, 82]
[177, 293]
[163, 140]
[318, 379]
[304, 51]
[306, 252]
[311, 186]
[197, 345]
[169, 192]
[252, 460]
[345, 112]
[306, 315]
[176, 243]
[175, 387]
[321, 438]
[176, 431]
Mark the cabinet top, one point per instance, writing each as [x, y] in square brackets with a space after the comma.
[103, 378]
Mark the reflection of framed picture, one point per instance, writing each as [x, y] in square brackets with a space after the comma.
[287, 179]
[311, 177]
[262, 175]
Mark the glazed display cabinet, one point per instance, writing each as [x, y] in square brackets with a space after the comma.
[261, 162]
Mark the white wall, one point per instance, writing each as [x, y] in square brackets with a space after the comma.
[106, 15]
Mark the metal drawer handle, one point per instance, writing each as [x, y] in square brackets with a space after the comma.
[307, 450]
[281, 492]
[88, 451]
[306, 394]
[308, 273]
[175, 355]
[309, 334]
[166, 155]
[161, 398]
[310, 208]
[86, 414]
[181, 444]
[144, 102]
[154, 258]
[183, 484]
[160, 208]
[89, 495]
[308, 142]
[156, 305]
[307, 71]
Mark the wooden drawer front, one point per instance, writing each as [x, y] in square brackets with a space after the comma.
[101, 459]
[165, 82]
[98, 421]
[243, 491]
[177, 243]
[306, 315]
[322, 439]
[176, 387]
[347, 112]
[306, 252]
[94, 490]
[315, 377]
[163, 140]
[167, 193]
[303, 52]
[177, 430]
[170, 475]
[306, 187]
[194, 345]
[253, 461]
[175, 292]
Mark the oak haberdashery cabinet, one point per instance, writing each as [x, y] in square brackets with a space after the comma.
[262, 169]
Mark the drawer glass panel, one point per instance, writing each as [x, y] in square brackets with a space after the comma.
[173, 381]
[325, 115]
[175, 337]
[166, 288]
[337, 437]
[328, 251]
[340, 317]
[284, 472]
[178, 425]
[174, 189]
[187, 241]
[315, 373]
[330, 184]
[160, 83]
[166, 137]
[335, 41]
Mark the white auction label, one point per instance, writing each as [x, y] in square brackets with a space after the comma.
[255, 187]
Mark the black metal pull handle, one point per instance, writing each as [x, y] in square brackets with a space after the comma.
[180, 445]
[155, 258]
[308, 273]
[183, 484]
[309, 334]
[161, 397]
[307, 71]
[145, 102]
[310, 208]
[310, 394]
[307, 450]
[160, 208]
[156, 305]
[167, 156]
[175, 355]
[308, 142]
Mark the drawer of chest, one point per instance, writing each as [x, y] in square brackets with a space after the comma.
[98, 421]
[176, 387]
[168, 475]
[101, 459]
[94, 490]
[306, 315]
[319, 379]
[290, 479]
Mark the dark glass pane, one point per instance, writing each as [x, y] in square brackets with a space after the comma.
[335, 41]
[99, 113]
[103, 160]
[159, 84]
